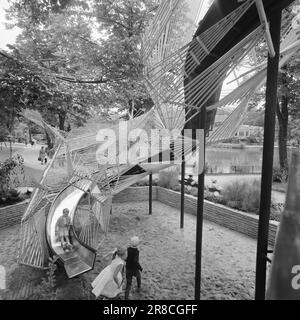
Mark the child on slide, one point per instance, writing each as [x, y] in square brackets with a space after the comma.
[63, 230]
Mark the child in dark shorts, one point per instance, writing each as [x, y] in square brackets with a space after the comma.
[133, 267]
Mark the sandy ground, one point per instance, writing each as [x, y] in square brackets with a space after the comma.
[9, 241]
[167, 254]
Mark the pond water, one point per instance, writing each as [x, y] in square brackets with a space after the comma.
[247, 160]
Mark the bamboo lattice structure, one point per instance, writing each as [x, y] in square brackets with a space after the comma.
[75, 170]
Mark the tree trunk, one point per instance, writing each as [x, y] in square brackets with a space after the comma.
[62, 119]
[29, 133]
[49, 142]
[283, 116]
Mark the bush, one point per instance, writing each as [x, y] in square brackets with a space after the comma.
[252, 140]
[276, 211]
[11, 172]
[251, 201]
[145, 183]
[11, 176]
[242, 195]
[280, 174]
[235, 140]
[47, 290]
[210, 196]
[168, 178]
[234, 191]
[9, 197]
[142, 183]
[176, 188]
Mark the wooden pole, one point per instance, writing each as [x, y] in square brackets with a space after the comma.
[10, 148]
[182, 194]
[150, 194]
[200, 207]
[267, 165]
[182, 187]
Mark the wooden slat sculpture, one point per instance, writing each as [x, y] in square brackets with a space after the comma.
[75, 179]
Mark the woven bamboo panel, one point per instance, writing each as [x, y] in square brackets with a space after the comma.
[33, 249]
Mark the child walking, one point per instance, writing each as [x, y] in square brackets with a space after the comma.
[133, 267]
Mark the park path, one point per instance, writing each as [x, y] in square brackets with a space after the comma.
[29, 153]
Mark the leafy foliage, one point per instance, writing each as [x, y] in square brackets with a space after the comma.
[9, 172]
[280, 174]
[74, 72]
[47, 289]
[242, 195]
[20, 86]
[168, 178]
[288, 112]
[11, 176]
[37, 12]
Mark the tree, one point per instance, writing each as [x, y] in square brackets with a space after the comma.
[255, 118]
[30, 12]
[287, 105]
[288, 98]
[86, 77]
[124, 23]
[295, 132]
[20, 86]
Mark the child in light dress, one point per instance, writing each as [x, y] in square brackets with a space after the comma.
[109, 283]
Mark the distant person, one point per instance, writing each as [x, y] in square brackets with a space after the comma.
[133, 267]
[46, 155]
[63, 230]
[42, 155]
[108, 284]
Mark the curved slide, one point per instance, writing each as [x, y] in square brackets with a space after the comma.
[81, 259]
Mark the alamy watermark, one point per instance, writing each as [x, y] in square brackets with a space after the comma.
[123, 145]
[2, 278]
[296, 278]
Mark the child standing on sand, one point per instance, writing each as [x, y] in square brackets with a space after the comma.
[108, 284]
[133, 266]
